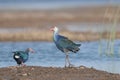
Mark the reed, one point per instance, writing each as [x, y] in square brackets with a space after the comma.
[100, 50]
[110, 50]
[111, 34]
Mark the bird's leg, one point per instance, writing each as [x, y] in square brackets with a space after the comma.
[22, 64]
[67, 56]
[68, 61]
[18, 66]
[69, 64]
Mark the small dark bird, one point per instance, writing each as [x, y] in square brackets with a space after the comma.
[65, 45]
[22, 56]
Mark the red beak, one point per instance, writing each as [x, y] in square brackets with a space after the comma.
[52, 29]
[32, 51]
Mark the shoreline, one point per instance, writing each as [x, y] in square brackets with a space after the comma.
[46, 35]
[55, 73]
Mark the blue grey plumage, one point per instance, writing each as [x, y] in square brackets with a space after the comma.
[22, 56]
[64, 44]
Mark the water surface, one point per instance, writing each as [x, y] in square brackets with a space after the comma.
[46, 54]
[52, 4]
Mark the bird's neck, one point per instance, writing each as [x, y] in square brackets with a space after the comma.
[27, 52]
[55, 35]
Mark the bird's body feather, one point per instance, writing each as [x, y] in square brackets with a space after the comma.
[20, 56]
[63, 43]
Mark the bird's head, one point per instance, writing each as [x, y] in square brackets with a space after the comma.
[30, 50]
[55, 29]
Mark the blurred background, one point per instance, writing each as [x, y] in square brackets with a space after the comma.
[93, 23]
[30, 18]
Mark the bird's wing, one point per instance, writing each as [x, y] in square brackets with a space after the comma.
[65, 43]
[22, 54]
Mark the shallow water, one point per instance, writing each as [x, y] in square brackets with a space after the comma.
[46, 54]
[52, 4]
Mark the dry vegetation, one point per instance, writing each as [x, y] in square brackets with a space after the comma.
[45, 18]
[37, 18]
[43, 35]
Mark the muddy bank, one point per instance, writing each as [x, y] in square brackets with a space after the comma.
[55, 73]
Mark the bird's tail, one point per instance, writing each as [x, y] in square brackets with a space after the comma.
[76, 48]
[78, 45]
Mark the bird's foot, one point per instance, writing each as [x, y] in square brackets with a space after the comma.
[71, 65]
[23, 65]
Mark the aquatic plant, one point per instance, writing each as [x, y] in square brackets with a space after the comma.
[110, 47]
[101, 33]
[111, 34]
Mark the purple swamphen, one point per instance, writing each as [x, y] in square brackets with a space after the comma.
[22, 56]
[65, 45]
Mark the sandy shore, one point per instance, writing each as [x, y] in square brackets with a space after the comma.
[54, 73]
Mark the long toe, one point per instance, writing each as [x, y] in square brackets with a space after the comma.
[71, 65]
[23, 65]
